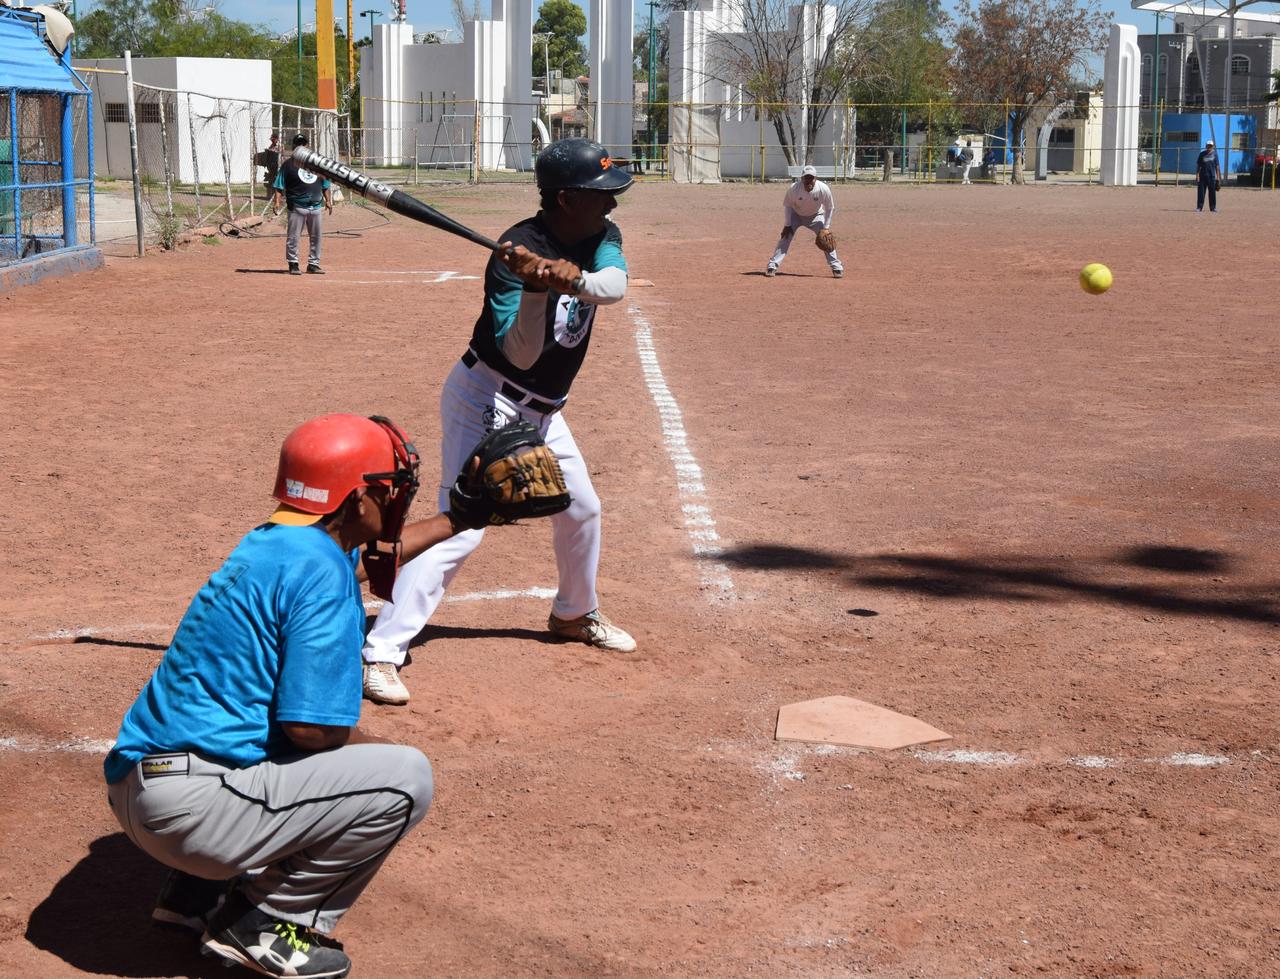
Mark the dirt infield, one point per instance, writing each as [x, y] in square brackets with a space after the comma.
[951, 483]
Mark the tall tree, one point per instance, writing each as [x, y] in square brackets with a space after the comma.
[906, 65]
[566, 22]
[1021, 52]
[465, 10]
[798, 61]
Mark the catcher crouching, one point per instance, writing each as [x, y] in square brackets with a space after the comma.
[239, 766]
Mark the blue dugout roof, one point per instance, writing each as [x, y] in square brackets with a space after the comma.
[26, 62]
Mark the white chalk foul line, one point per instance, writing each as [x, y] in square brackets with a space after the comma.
[698, 522]
[89, 746]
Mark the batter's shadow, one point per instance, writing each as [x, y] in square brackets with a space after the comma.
[1029, 579]
[785, 275]
[431, 632]
[97, 918]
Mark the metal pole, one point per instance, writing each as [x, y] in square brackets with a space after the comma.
[903, 168]
[195, 156]
[226, 159]
[351, 58]
[1231, 36]
[299, 50]
[15, 158]
[164, 155]
[68, 173]
[653, 81]
[133, 154]
[93, 231]
[1155, 73]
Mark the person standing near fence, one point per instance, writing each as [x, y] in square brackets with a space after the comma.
[1208, 177]
[966, 160]
[305, 193]
[808, 204]
[269, 160]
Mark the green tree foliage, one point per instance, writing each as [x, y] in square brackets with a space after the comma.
[566, 22]
[905, 64]
[1018, 53]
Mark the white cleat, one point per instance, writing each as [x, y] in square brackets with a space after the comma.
[593, 629]
[382, 684]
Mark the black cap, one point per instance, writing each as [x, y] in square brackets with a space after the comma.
[300, 139]
[579, 164]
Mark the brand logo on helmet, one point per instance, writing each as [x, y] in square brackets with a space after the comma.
[606, 163]
[298, 490]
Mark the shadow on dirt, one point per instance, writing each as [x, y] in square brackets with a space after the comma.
[127, 643]
[97, 918]
[1015, 578]
[430, 632]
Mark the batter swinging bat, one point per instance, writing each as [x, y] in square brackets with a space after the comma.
[393, 200]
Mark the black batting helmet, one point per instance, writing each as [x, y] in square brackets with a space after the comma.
[579, 164]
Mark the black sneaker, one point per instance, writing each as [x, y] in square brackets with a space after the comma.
[315, 270]
[186, 901]
[293, 269]
[240, 934]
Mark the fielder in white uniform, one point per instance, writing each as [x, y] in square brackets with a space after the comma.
[808, 204]
[527, 346]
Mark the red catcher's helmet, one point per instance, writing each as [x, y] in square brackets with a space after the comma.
[326, 458]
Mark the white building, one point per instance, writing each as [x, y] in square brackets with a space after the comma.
[423, 98]
[223, 99]
[719, 131]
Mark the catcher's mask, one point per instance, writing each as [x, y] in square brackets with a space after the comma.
[324, 460]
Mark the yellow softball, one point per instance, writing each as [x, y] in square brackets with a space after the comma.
[1095, 278]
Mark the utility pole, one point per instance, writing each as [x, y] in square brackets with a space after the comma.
[653, 82]
[299, 50]
[351, 52]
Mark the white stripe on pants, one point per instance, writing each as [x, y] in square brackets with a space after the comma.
[469, 403]
[298, 219]
[318, 826]
[815, 225]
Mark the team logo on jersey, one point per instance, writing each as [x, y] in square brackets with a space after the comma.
[492, 419]
[572, 320]
[306, 176]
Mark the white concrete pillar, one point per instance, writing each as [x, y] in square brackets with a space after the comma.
[517, 19]
[1120, 108]
[489, 86]
[612, 83]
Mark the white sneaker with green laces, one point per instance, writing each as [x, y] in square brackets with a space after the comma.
[382, 684]
[593, 629]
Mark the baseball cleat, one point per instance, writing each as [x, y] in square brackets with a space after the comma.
[293, 269]
[382, 684]
[593, 629]
[837, 273]
[186, 901]
[240, 934]
[315, 270]
[771, 270]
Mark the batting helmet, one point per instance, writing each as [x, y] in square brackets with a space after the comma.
[326, 458]
[579, 164]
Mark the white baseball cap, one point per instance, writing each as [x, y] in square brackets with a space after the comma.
[1208, 142]
[809, 172]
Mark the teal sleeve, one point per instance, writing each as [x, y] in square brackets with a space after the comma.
[504, 300]
[609, 252]
[278, 183]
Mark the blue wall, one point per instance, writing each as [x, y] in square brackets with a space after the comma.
[1178, 155]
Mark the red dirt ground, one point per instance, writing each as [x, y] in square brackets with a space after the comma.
[1062, 509]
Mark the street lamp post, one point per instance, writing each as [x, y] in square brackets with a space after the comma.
[546, 78]
[373, 16]
[653, 82]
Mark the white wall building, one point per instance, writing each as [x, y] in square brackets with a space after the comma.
[719, 131]
[230, 99]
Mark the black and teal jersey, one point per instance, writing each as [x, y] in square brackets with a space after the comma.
[303, 190]
[535, 339]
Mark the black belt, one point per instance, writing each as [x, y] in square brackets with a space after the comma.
[517, 394]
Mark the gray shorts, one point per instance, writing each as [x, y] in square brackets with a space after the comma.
[313, 828]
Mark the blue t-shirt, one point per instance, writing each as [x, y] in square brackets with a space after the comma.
[274, 635]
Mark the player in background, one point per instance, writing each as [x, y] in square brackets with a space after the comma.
[305, 193]
[540, 298]
[807, 204]
[1208, 177]
[241, 752]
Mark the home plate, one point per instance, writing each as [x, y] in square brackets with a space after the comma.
[853, 723]
[641, 283]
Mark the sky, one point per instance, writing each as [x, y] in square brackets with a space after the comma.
[430, 14]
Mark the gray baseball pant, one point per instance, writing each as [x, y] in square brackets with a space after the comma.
[317, 826]
[310, 218]
[815, 225]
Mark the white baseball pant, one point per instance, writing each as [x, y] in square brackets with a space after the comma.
[470, 404]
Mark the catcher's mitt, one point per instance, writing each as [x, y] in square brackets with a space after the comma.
[516, 476]
[826, 241]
